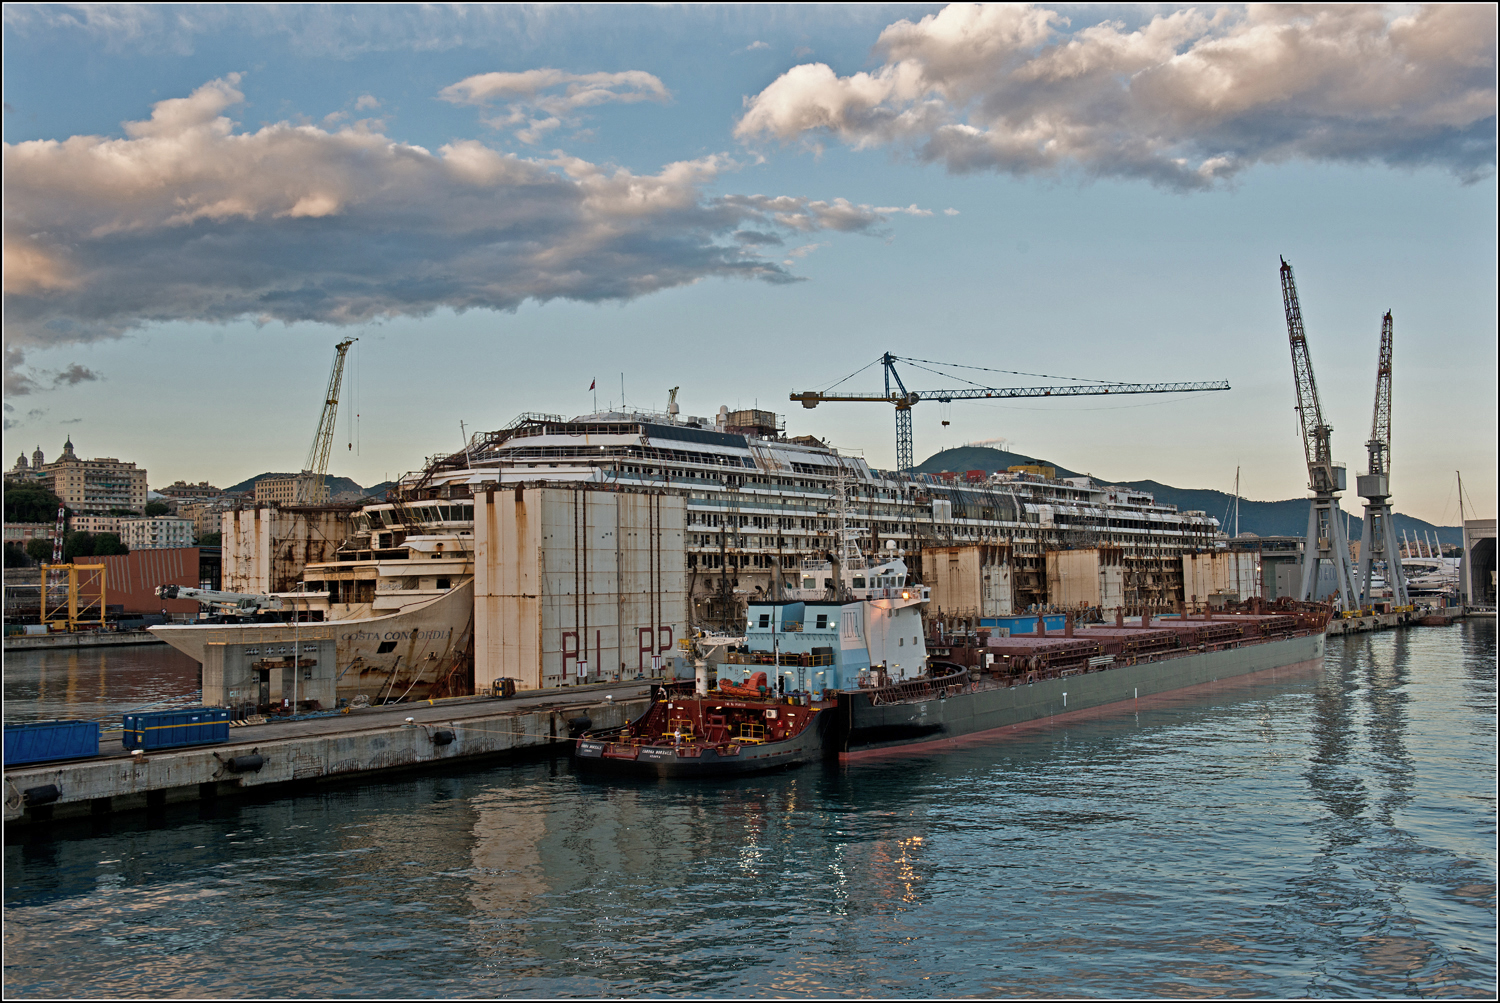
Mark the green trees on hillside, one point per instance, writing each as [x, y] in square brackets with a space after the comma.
[30, 501]
[78, 545]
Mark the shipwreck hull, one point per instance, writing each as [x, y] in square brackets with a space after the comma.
[417, 654]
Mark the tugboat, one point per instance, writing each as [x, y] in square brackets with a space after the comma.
[731, 730]
[853, 623]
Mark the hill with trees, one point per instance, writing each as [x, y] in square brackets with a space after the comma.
[1263, 518]
[30, 501]
[336, 485]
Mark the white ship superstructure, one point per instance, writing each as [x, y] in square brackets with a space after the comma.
[760, 505]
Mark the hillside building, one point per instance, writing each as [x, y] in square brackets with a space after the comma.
[98, 486]
[94, 523]
[159, 533]
[183, 491]
[27, 470]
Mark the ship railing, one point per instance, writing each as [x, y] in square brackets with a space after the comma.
[920, 689]
[791, 658]
[1103, 663]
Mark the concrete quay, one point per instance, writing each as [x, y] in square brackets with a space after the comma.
[82, 639]
[359, 744]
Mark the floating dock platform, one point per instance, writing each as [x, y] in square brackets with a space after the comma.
[287, 754]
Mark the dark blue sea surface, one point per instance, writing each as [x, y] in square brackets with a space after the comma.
[1329, 834]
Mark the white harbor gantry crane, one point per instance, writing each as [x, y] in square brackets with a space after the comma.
[241, 603]
[904, 399]
[1378, 541]
[1325, 524]
[312, 483]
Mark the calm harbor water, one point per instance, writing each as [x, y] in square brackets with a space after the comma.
[1331, 834]
[95, 684]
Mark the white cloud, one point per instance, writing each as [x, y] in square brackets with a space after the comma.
[1185, 100]
[187, 218]
[539, 101]
[753, 46]
[802, 252]
[366, 101]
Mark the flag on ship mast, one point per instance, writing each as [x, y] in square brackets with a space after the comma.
[592, 383]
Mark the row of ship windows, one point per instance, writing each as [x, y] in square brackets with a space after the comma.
[730, 561]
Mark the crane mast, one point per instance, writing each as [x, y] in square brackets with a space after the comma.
[312, 483]
[1325, 527]
[1378, 539]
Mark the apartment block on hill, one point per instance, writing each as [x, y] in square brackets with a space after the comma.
[98, 486]
[160, 533]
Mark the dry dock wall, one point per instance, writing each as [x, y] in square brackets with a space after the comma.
[1233, 571]
[576, 583]
[266, 548]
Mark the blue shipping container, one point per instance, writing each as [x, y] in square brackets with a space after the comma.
[167, 729]
[43, 741]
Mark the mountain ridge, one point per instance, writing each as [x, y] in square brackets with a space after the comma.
[336, 485]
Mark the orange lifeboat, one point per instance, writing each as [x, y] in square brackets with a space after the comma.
[755, 689]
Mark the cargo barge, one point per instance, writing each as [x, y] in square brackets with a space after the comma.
[1015, 680]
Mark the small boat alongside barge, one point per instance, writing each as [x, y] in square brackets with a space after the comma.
[718, 734]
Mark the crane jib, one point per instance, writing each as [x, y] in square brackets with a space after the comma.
[904, 399]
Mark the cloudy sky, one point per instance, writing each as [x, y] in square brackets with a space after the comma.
[505, 204]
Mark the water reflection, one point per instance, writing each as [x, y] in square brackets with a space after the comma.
[1319, 836]
[1386, 676]
[94, 684]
